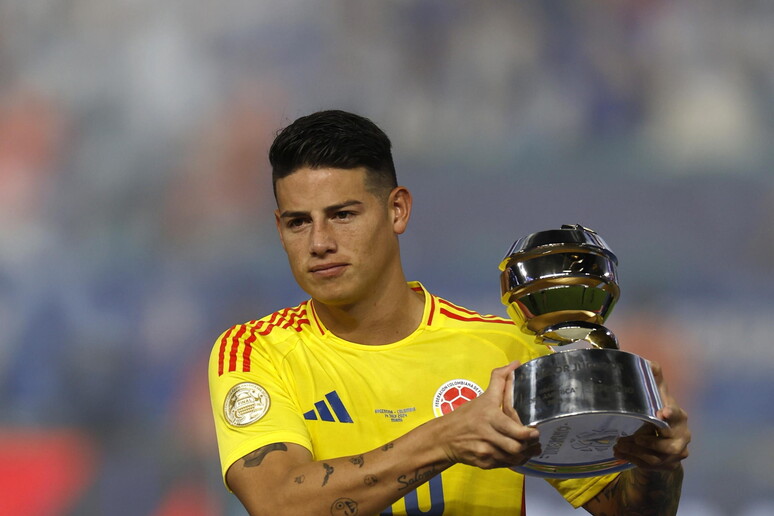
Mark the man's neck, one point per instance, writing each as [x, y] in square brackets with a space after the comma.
[386, 318]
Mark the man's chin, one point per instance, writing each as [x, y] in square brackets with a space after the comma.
[336, 293]
[332, 299]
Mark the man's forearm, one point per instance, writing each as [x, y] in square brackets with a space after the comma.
[365, 483]
[638, 492]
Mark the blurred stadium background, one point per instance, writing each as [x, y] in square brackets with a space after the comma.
[135, 209]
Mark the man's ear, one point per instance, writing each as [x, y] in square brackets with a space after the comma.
[399, 204]
[278, 222]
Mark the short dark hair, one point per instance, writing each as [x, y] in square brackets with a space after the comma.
[335, 139]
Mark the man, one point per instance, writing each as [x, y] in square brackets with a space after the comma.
[354, 402]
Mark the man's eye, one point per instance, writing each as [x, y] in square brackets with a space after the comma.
[295, 223]
[343, 215]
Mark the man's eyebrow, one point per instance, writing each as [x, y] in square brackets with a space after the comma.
[293, 214]
[327, 209]
[341, 206]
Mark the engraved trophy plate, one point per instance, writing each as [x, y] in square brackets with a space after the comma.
[560, 286]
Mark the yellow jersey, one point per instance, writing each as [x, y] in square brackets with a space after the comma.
[287, 378]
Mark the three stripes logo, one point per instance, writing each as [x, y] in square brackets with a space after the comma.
[322, 410]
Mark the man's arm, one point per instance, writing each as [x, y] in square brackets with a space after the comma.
[637, 492]
[283, 478]
[654, 486]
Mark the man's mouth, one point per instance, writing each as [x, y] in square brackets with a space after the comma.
[328, 270]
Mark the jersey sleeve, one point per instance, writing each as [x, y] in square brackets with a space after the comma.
[579, 491]
[251, 401]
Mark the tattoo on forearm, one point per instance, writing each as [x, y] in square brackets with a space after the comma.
[344, 507]
[370, 480]
[328, 473]
[387, 446]
[417, 477]
[255, 458]
[357, 461]
[299, 479]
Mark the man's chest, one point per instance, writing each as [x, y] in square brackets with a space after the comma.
[354, 402]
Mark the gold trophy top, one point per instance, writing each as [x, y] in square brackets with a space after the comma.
[561, 285]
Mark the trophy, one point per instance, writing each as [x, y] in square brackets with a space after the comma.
[560, 286]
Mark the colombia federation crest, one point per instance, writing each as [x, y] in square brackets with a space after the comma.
[454, 393]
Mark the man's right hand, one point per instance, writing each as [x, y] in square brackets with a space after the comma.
[486, 432]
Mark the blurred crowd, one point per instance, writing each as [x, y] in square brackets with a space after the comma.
[135, 202]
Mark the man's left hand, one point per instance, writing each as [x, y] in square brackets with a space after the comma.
[663, 448]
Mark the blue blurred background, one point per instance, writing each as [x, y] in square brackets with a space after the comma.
[136, 224]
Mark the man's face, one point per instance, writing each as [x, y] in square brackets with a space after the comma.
[341, 239]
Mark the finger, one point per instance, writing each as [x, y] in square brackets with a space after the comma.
[508, 399]
[528, 453]
[508, 407]
[663, 389]
[649, 433]
[673, 415]
[515, 430]
[669, 442]
[676, 419]
[513, 415]
[658, 373]
[644, 439]
[506, 371]
[512, 452]
[672, 449]
[644, 457]
[648, 461]
[534, 449]
[652, 451]
[499, 378]
[670, 411]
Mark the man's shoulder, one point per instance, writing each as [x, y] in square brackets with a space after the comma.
[457, 320]
[271, 330]
[272, 335]
[457, 315]
[274, 326]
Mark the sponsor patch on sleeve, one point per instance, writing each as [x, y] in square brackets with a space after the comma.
[245, 404]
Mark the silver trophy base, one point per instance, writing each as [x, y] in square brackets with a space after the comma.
[583, 401]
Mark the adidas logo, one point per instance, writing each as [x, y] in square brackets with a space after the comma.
[323, 412]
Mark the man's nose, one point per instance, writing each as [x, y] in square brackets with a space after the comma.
[322, 240]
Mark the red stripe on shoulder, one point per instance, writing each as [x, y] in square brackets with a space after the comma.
[467, 318]
[232, 358]
[245, 335]
[297, 318]
[457, 307]
[246, 352]
[303, 316]
[222, 350]
[287, 318]
[432, 309]
[266, 326]
[463, 314]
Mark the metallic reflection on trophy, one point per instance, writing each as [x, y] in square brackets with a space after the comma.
[560, 286]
